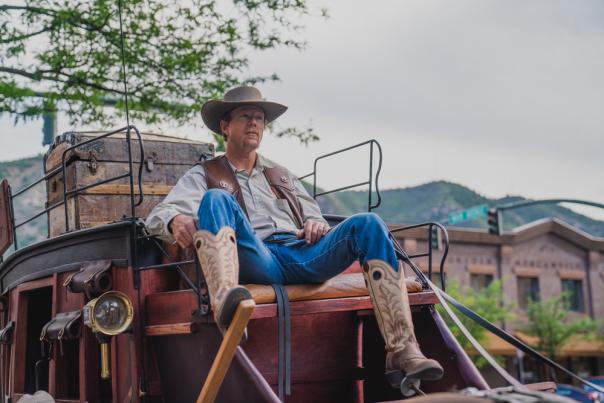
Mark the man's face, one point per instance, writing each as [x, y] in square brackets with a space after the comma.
[244, 130]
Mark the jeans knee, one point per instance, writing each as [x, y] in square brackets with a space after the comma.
[367, 220]
[213, 195]
[215, 199]
[369, 225]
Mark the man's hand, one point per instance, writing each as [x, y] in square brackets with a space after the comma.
[183, 227]
[313, 231]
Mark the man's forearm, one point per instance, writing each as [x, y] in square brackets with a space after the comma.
[159, 220]
[183, 199]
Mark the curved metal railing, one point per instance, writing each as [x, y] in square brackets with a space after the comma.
[437, 235]
[372, 144]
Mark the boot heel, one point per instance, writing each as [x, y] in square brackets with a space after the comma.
[394, 378]
[407, 385]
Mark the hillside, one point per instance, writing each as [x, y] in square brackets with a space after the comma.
[429, 202]
[435, 200]
[21, 173]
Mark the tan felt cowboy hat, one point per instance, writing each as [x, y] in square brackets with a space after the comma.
[213, 110]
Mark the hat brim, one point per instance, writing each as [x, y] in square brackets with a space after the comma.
[212, 111]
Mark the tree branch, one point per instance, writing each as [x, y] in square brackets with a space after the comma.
[79, 23]
[26, 36]
[38, 10]
[19, 72]
[38, 76]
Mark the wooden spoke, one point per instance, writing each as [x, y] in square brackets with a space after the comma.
[225, 354]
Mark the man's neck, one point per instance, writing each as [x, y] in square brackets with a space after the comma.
[245, 161]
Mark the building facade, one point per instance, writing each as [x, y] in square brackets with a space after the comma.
[537, 261]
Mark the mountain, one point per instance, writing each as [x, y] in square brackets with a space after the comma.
[435, 200]
[21, 173]
[428, 202]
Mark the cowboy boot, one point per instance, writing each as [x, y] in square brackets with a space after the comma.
[220, 265]
[393, 314]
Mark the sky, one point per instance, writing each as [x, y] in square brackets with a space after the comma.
[505, 97]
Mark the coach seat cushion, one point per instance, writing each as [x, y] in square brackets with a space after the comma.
[341, 286]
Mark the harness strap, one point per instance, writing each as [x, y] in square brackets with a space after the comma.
[288, 342]
[484, 353]
[43, 358]
[284, 342]
[281, 346]
[511, 339]
[443, 296]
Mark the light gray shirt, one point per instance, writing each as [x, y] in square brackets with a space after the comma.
[267, 214]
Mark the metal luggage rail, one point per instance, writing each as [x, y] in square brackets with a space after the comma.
[372, 143]
[437, 234]
[70, 193]
[438, 238]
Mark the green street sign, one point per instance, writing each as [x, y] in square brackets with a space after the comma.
[468, 214]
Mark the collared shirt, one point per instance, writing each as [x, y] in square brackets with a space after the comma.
[267, 214]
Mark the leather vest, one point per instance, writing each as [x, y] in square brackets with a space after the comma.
[219, 174]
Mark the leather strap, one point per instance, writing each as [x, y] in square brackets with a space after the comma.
[64, 326]
[43, 358]
[93, 278]
[7, 333]
[284, 342]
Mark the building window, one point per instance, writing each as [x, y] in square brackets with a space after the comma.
[574, 297]
[480, 281]
[528, 289]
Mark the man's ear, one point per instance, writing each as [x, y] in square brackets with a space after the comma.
[223, 126]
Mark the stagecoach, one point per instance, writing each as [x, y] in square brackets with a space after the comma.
[103, 311]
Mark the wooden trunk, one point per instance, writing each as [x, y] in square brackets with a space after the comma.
[165, 160]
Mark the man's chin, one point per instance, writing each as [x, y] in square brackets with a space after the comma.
[252, 143]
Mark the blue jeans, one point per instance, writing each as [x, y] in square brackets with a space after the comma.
[283, 258]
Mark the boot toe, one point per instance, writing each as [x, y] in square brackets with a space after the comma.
[426, 369]
[417, 366]
[231, 301]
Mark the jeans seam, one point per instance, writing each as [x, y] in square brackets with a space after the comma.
[324, 253]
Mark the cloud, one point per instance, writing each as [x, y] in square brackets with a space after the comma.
[518, 79]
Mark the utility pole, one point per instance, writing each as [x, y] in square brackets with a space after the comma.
[49, 127]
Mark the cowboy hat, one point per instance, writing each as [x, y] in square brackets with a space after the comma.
[213, 110]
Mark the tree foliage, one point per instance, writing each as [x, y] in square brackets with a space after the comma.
[487, 302]
[549, 321]
[65, 55]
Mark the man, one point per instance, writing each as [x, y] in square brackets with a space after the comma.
[254, 212]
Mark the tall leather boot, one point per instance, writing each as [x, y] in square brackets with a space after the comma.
[393, 314]
[220, 265]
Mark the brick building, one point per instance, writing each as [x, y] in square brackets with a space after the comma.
[538, 260]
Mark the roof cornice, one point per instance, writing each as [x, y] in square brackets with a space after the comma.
[520, 234]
